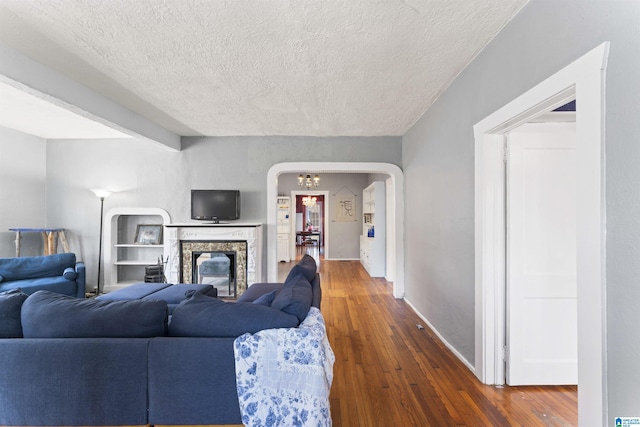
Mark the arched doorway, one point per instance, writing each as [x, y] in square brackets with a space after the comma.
[395, 238]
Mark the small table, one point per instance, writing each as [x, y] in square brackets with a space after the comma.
[49, 236]
[301, 236]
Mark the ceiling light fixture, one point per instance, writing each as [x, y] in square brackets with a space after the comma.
[309, 201]
[307, 181]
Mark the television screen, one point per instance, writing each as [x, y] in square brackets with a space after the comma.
[215, 205]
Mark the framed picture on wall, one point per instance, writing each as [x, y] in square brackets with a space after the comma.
[148, 234]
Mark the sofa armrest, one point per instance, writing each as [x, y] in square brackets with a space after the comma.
[80, 279]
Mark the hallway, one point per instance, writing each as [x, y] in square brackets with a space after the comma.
[388, 372]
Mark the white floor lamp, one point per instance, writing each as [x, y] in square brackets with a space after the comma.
[102, 194]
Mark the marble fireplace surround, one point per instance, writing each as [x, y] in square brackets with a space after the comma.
[182, 239]
[239, 248]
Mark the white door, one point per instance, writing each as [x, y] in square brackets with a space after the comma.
[542, 326]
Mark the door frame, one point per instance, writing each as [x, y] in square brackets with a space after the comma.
[325, 215]
[584, 79]
[395, 235]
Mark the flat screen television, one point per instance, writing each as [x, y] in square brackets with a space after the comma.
[215, 205]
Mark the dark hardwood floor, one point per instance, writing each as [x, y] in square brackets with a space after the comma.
[388, 372]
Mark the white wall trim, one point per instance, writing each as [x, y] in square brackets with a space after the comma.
[584, 78]
[395, 236]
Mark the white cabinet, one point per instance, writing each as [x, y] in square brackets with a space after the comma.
[283, 218]
[373, 240]
[124, 260]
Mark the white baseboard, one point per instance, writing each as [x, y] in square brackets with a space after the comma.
[445, 342]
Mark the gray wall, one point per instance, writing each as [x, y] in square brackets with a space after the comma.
[22, 190]
[145, 176]
[344, 237]
[438, 161]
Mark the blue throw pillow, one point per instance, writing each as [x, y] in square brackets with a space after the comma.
[1, 278]
[203, 316]
[266, 299]
[10, 307]
[307, 266]
[49, 315]
[70, 273]
[295, 297]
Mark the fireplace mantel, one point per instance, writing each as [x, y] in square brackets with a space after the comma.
[174, 234]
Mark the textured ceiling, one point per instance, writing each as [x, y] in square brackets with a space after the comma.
[260, 67]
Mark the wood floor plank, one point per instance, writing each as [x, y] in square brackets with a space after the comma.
[388, 372]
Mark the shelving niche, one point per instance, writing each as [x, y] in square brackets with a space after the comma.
[124, 260]
[373, 249]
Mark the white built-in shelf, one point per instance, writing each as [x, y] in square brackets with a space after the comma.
[124, 260]
[373, 249]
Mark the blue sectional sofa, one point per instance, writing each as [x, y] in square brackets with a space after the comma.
[59, 273]
[69, 361]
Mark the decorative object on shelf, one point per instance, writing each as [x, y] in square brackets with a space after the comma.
[309, 201]
[307, 181]
[148, 234]
[367, 218]
[102, 194]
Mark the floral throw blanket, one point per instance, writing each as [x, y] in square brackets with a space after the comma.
[284, 375]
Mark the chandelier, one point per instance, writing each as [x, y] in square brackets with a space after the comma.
[309, 201]
[307, 181]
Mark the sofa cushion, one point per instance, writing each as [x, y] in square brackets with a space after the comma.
[1, 278]
[256, 290]
[135, 291]
[307, 266]
[294, 297]
[203, 316]
[10, 307]
[49, 315]
[175, 294]
[266, 299]
[36, 267]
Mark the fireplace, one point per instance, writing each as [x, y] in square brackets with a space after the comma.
[219, 263]
[217, 269]
[187, 245]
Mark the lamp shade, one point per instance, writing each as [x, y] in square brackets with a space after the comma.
[102, 193]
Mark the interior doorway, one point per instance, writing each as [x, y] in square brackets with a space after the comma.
[541, 286]
[583, 79]
[395, 233]
[310, 229]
